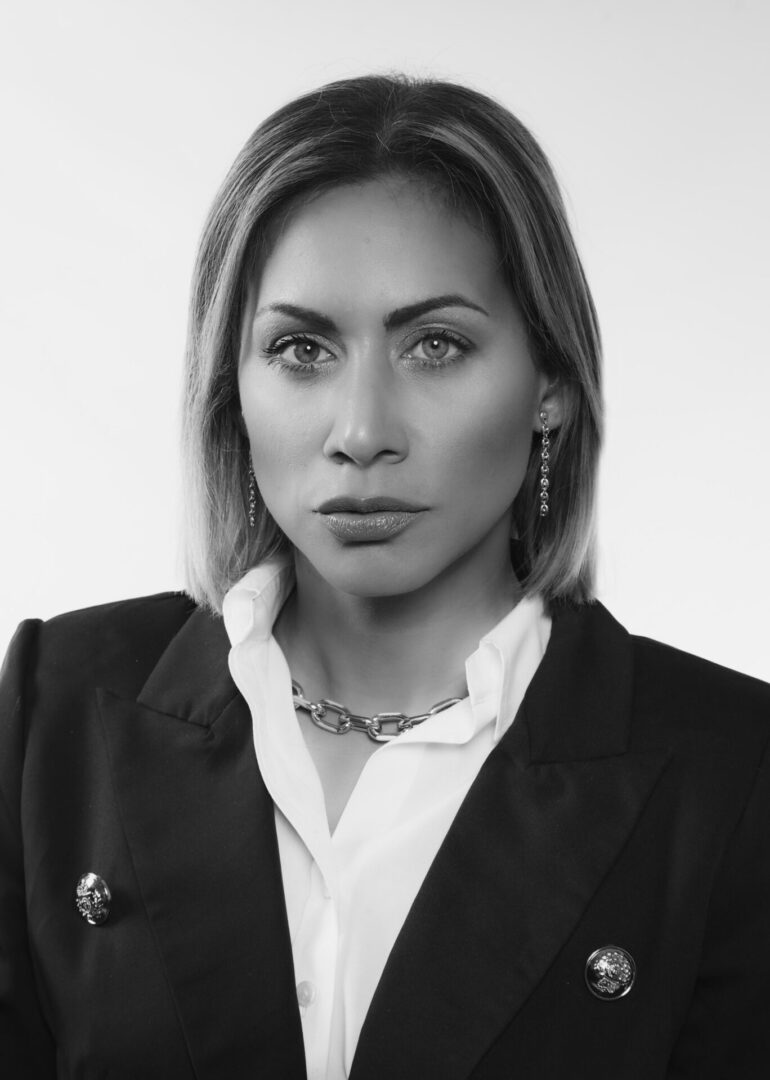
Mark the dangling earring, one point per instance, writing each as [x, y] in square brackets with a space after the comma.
[252, 496]
[545, 453]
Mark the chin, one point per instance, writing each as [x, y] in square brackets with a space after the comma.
[373, 570]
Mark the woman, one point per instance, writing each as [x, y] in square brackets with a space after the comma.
[415, 805]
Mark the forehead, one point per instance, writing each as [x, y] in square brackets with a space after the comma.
[388, 239]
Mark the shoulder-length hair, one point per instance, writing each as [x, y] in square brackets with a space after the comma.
[483, 159]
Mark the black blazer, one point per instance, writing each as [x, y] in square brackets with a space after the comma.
[628, 805]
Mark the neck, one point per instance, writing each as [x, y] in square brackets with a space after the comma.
[394, 653]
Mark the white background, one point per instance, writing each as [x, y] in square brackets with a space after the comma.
[120, 120]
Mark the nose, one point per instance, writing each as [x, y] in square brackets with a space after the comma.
[368, 424]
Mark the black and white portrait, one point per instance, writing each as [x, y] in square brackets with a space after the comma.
[385, 477]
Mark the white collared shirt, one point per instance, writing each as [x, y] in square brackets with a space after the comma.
[348, 893]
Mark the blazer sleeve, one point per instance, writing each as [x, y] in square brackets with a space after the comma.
[26, 1045]
[726, 1035]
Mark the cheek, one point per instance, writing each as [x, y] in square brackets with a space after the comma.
[275, 449]
[491, 440]
[276, 436]
[279, 462]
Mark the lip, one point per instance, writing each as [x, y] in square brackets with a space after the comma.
[369, 527]
[369, 505]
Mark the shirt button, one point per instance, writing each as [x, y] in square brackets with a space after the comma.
[305, 993]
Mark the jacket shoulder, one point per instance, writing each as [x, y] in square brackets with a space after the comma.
[673, 687]
[115, 644]
[158, 607]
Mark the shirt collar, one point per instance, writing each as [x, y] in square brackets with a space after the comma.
[498, 672]
[252, 605]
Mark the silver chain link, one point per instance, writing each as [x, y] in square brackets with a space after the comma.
[372, 725]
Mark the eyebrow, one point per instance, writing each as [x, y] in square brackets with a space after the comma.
[400, 317]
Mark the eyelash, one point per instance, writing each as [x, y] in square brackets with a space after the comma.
[275, 348]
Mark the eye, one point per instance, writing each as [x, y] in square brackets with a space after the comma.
[438, 348]
[295, 351]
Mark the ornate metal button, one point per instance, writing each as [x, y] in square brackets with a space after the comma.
[610, 972]
[92, 898]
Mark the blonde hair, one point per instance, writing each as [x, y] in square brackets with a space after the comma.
[487, 164]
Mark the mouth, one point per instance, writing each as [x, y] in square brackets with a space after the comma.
[374, 504]
[369, 520]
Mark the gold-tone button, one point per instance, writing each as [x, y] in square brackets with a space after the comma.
[610, 972]
[92, 898]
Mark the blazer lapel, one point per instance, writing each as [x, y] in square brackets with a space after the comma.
[201, 829]
[540, 827]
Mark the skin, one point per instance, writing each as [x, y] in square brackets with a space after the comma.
[394, 412]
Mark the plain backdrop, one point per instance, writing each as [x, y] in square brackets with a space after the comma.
[121, 119]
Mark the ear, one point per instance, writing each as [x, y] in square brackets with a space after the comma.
[553, 399]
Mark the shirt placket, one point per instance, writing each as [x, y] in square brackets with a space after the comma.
[315, 951]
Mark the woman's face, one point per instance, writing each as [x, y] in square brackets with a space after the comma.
[382, 356]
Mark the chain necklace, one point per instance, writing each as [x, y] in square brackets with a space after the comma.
[346, 721]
